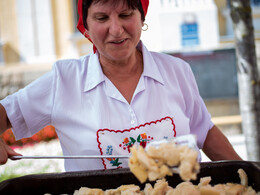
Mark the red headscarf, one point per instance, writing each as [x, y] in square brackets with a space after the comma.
[81, 27]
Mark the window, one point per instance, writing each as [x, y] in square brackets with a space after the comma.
[253, 3]
[35, 29]
[256, 2]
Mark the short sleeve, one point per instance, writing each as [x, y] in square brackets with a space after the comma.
[29, 109]
[200, 118]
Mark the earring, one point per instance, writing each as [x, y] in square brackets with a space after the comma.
[145, 27]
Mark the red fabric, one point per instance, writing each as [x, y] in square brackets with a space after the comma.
[81, 28]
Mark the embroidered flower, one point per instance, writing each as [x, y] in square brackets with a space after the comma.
[144, 136]
[126, 140]
[142, 139]
[127, 143]
[114, 162]
[109, 150]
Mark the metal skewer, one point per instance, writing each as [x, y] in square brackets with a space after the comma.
[69, 157]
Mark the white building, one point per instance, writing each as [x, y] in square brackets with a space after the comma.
[181, 24]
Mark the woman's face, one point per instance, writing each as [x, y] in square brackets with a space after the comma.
[114, 29]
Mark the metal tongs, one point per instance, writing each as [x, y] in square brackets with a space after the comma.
[189, 140]
[184, 140]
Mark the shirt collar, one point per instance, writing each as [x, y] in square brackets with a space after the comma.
[151, 69]
[95, 74]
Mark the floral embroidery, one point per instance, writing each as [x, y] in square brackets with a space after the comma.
[109, 150]
[128, 143]
[128, 137]
[113, 161]
[142, 139]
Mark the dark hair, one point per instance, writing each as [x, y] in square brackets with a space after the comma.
[133, 4]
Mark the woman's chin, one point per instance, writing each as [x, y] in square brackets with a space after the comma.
[118, 56]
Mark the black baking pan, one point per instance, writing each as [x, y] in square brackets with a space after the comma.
[68, 182]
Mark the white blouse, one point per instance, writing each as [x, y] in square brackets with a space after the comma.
[92, 117]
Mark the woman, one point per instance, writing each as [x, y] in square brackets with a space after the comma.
[120, 95]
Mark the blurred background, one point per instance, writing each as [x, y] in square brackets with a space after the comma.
[34, 34]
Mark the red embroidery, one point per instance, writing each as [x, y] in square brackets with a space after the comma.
[128, 143]
[142, 139]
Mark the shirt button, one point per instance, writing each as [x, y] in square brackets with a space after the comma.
[132, 122]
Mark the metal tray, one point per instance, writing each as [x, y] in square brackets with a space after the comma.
[66, 183]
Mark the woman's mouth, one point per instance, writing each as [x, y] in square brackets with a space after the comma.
[118, 41]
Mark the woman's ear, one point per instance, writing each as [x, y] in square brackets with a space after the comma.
[86, 30]
[86, 27]
[86, 33]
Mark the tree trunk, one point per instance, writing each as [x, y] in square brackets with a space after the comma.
[248, 76]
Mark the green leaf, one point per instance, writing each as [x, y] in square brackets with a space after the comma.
[139, 138]
[132, 140]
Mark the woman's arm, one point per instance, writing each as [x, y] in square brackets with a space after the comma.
[4, 121]
[5, 150]
[217, 146]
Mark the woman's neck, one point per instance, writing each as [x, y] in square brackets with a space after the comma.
[125, 75]
[123, 69]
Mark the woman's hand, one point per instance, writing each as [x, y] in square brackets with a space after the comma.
[4, 120]
[6, 152]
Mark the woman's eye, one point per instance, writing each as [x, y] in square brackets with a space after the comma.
[101, 18]
[126, 15]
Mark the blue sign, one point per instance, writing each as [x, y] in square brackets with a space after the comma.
[190, 34]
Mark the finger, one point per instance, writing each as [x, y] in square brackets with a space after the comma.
[11, 152]
[3, 155]
[5, 152]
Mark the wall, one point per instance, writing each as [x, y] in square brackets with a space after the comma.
[35, 29]
[8, 31]
[63, 27]
[221, 4]
[13, 78]
[165, 18]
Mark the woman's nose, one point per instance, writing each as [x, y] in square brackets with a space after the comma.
[116, 28]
